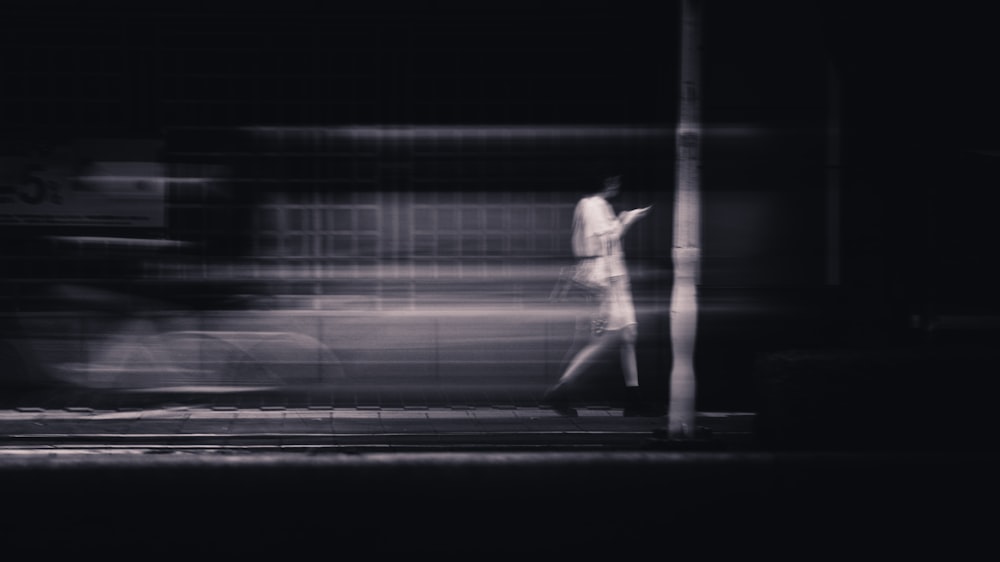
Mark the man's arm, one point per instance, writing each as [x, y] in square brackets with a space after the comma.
[628, 218]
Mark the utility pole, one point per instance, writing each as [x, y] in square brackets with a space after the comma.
[686, 251]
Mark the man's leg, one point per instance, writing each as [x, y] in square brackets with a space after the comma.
[560, 395]
[582, 360]
[635, 403]
[629, 367]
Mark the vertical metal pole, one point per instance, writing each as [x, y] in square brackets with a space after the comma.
[686, 251]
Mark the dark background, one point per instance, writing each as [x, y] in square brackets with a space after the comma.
[908, 89]
[917, 167]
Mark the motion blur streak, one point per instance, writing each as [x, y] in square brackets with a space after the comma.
[442, 132]
[494, 132]
[451, 329]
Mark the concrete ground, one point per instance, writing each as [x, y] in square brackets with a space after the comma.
[201, 479]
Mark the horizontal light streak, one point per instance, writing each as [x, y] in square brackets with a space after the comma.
[116, 241]
[444, 132]
[524, 134]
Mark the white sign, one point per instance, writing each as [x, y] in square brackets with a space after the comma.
[105, 194]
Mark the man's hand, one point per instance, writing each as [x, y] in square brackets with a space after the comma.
[628, 217]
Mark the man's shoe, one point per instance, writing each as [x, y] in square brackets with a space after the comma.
[564, 410]
[556, 398]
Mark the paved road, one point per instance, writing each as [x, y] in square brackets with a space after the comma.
[584, 505]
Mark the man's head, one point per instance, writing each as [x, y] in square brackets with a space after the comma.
[612, 185]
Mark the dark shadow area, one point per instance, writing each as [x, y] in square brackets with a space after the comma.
[785, 507]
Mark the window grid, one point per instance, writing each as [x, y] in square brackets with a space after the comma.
[321, 230]
[488, 231]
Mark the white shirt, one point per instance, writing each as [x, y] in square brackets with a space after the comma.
[597, 234]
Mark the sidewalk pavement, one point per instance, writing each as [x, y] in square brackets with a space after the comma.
[487, 482]
[318, 428]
